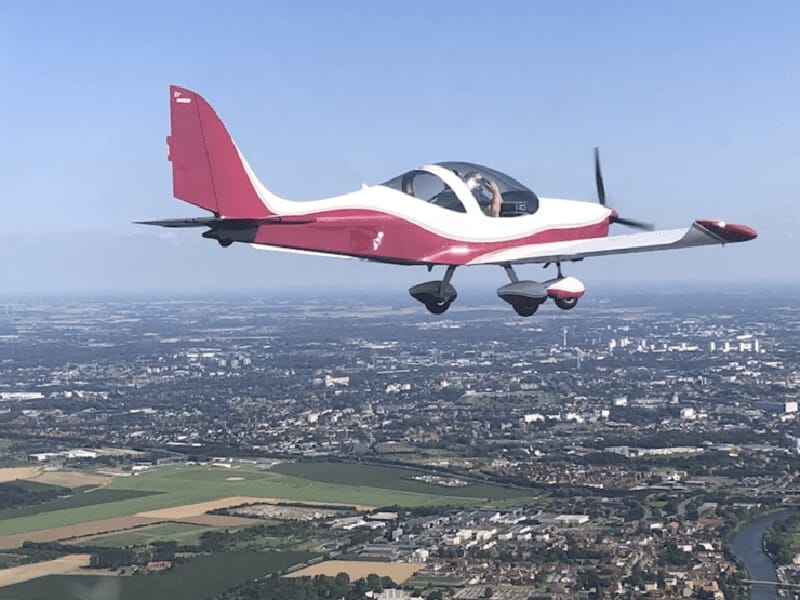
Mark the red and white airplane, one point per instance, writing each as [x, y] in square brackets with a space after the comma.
[438, 214]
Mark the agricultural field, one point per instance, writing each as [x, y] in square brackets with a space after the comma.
[80, 498]
[61, 477]
[78, 530]
[13, 473]
[392, 478]
[63, 565]
[73, 479]
[182, 533]
[169, 487]
[200, 578]
[357, 569]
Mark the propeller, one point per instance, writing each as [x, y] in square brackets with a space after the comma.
[601, 197]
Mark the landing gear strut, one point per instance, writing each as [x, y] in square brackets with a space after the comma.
[437, 296]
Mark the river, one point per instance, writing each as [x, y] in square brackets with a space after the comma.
[748, 547]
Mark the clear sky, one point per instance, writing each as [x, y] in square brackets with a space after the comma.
[695, 105]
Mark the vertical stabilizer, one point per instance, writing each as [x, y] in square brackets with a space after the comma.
[207, 169]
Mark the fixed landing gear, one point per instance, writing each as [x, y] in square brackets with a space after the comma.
[437, 296]
[565, 303]
[526, 309]
[525, 297]
[438, 307]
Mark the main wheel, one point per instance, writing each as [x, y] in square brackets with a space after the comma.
[566, 303]
[436, 307]
[527, 309]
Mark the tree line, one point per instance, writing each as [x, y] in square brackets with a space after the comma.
[319, 587]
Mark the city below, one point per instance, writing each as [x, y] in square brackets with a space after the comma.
[627, 448]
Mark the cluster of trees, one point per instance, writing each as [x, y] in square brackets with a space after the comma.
[588, 579]
[780, 539]
[639, 577]
[115, 558]
[672, 555]
[219, 541]
[320, 587]
[15, 493]
[102, 557]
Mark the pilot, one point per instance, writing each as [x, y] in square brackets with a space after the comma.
[493, 209]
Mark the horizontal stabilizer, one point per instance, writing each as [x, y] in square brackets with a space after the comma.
[232, 223]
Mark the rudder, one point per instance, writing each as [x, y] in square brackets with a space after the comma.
[207, 169]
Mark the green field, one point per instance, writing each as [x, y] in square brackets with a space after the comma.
[173, 486]
[182, 533]
[391, 478]
[75, 500]
[34, 486]
[199, 579]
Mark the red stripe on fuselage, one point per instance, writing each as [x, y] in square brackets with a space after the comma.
[380, 236]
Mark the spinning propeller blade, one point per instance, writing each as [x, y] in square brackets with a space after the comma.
[601, 197]
[598, 177]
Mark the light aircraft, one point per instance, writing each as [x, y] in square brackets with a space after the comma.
[448, 214]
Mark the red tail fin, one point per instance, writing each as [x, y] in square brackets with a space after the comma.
[207, 169]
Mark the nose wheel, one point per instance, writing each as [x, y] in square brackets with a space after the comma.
[565, 303]
[437, 296]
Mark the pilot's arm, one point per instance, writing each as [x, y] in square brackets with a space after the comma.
[497, 199]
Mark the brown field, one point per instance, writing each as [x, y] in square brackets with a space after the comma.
[12, 473]
[60, 566]
[186, 511]
[68, 479]
[71, 479]
[357, 569]
[67, 532]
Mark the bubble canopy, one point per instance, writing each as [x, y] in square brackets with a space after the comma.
[425, 184]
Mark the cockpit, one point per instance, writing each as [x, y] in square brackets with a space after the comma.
[457, 185]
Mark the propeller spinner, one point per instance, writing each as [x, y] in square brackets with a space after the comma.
[601, 197]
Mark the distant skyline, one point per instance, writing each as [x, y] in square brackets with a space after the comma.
[694, 107]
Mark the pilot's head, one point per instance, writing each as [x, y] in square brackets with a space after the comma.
[474, 181]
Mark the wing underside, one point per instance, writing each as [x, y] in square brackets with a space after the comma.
[700, 233]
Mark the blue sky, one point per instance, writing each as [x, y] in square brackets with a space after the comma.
[694, 105]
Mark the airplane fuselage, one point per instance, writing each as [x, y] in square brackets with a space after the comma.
[449, 213]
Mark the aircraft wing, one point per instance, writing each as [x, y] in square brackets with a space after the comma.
[700, 233]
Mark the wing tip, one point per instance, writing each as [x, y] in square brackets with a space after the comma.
[729, 232]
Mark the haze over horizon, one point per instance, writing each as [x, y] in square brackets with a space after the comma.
[694, 108]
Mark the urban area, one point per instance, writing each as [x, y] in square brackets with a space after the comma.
[638, 446]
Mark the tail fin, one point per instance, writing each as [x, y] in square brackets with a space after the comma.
[207, 169]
